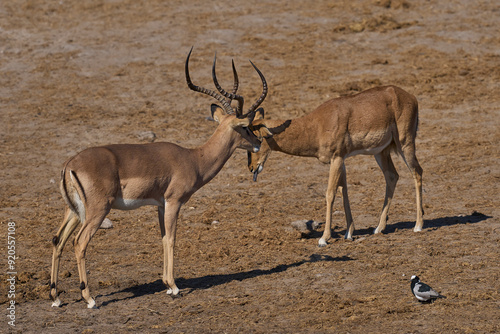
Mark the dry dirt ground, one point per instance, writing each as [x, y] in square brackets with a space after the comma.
[75, 74]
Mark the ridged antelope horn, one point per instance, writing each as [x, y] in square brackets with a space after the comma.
[262, 96]
[228, 95]
[226, 106]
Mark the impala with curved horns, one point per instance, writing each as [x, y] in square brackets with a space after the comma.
[128, 176]
[374, 122]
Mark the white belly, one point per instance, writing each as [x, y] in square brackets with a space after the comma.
[372, 150]
[132, 204]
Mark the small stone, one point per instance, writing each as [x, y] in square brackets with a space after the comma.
[305, 225]
[106, 223]
[357, 27]
[148, 136]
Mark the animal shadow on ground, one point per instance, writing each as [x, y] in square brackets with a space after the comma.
[209, 281]
[474, 217]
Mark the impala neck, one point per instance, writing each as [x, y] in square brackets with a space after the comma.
[211, 156]
[299, 137]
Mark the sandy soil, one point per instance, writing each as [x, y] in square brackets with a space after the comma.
[76, 74]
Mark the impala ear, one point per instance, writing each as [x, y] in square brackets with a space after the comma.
[261, 128]
[266, 133]
[241, 122]
[217, 112]
[259, 114]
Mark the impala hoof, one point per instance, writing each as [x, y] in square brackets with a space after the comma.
[173, 292]
[91, 304]
[322, 243]
[56, 303]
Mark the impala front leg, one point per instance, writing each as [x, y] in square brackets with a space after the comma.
[168, 240]
[336, 166]
[347, 207]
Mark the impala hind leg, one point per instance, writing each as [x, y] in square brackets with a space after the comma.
[391, 176]
[416, 170]
[89, 228]
[336, 167]
[69, 224]
[171, 212]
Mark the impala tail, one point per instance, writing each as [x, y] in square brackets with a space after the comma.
[74, 196]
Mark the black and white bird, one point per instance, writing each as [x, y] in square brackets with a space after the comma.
[422, 291]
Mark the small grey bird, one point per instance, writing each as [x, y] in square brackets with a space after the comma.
[422, 291]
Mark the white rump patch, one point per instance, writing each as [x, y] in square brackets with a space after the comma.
[80, 206]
